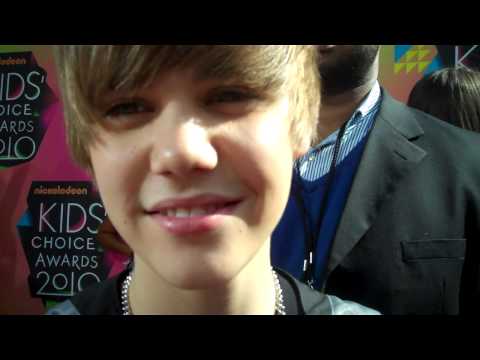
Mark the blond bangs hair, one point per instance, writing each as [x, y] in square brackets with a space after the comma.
[88, 73]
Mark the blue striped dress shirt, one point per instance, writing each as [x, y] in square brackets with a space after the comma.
[289, 238]
[316, 162]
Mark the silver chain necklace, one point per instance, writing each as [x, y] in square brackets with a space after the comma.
[279, 305]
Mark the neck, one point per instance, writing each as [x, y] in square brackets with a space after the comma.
[250, 292]
[337, 109]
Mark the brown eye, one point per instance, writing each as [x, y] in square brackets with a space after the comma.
[230, 96]
[127, 108]
[232, 102]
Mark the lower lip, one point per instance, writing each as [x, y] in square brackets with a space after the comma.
[194, 225]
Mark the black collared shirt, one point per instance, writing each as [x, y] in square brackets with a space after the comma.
[104, 299]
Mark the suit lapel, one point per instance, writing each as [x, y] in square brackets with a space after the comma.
[389, 157]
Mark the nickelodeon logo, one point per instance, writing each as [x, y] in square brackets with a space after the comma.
[13, 61]
[58, 190]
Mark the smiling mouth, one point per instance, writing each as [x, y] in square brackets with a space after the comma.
[195, 211]
[195, 216]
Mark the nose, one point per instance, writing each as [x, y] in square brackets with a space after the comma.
[183, 147]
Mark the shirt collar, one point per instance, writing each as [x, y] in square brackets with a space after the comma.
[368, 104]
[365, 107]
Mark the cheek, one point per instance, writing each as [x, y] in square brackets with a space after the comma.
[118, 170]
[261, 155]
[270, 156]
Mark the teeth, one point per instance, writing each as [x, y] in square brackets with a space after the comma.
[198, 212]
[182, 213]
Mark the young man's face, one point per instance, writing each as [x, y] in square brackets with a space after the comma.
[194, 175]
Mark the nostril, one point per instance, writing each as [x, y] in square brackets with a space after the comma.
[182, 163]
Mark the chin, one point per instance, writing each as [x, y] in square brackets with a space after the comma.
[198, 277]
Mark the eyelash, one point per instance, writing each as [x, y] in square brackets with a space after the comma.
[225, 96]
[219, 96]
[125, 108]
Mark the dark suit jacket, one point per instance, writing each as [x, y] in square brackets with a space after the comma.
[408, 240]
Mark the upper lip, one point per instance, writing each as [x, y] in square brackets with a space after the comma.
[192, 202]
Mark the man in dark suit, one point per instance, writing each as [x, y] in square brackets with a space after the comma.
[385, 209]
